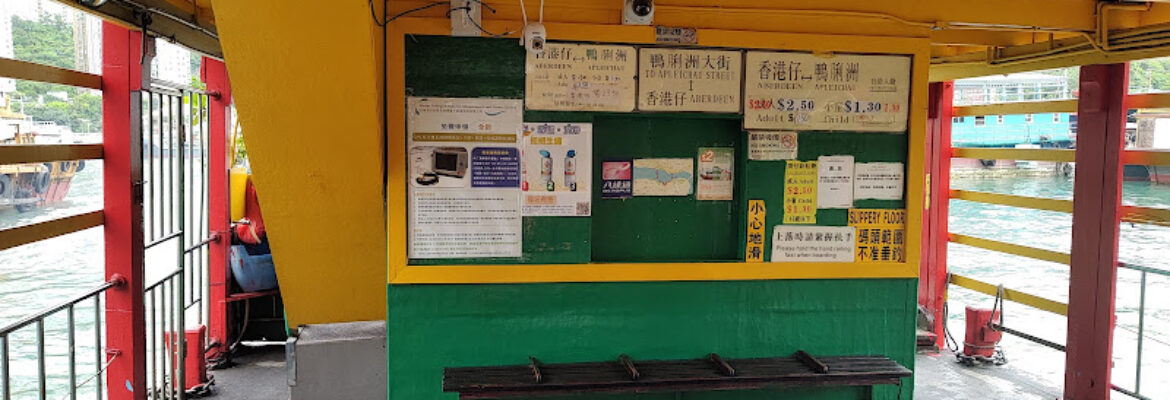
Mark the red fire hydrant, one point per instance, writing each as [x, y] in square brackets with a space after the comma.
[981, 338]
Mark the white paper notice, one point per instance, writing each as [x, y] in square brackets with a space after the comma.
[581, 77]
[834, 181]
[772, 145]
[881, 181]
[463, 160]
[794, 243]
[845, 92]
[557, 170]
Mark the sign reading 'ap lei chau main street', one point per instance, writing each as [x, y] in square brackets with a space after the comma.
[801, 91]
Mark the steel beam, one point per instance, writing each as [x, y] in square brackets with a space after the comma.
[1096, 213]
[122, 180]
[932, 284]
[214, 74]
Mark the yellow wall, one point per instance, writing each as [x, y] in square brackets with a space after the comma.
[307, 83]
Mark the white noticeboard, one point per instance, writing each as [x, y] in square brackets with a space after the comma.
[792, 243]
[881, 181]
[842, 92]
[463, 177]
[834, 181]
[581, 77]
[557, 169]
[689, 80]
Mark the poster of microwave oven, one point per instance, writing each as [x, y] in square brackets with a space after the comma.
[557, 169]
[463, 143]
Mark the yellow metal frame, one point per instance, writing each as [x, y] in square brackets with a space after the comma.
[1060, 155]
[28, 71]
[37, 153]
[1027, 107]
[26, 234]
[399, 272]
[1011, 248]
[1017, 296]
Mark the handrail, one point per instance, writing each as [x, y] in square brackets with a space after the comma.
[1022, 107]
[1012, 295]
[1155, 271]
[1035, 203]
[23, 322]
[1146, 157]
[1011, 248]
[1059, 155]
[1148, 100]
[28, 71]
[26, 234]
[38, 153]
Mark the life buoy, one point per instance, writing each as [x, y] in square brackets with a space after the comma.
[41, 182]
[5, 186]
[80, 166]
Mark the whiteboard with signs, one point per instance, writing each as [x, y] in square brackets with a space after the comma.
[689, 80]
[802, 91]
[581, 77]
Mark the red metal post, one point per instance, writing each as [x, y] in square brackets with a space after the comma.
[1101, 116]
[932, 276]
[122, 180]
[214, 74]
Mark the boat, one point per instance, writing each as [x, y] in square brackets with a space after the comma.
[25, 187]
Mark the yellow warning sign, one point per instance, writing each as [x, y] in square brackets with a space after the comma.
[756, 221]
[881, 235]
[800, 192]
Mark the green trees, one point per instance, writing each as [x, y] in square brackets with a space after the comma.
[49, 41]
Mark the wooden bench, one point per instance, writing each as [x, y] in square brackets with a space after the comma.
[704, 374]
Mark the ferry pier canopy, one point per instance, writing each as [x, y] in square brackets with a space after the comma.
[623, 198]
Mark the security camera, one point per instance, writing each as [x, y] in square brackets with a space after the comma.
[638, 12]
[534, 38]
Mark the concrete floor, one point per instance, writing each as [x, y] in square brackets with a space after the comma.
[939, 376]
[259, 374]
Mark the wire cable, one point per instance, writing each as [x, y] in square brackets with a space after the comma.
[382, 23]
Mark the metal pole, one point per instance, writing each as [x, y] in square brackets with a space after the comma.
[4, 372]
[97, 345]
[181, 336]
[72, 356]
[214, 74]
[1137, 386]
[41, 384]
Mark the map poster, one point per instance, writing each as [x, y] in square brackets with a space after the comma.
[812, 243]
[842, 92]
[800, 192]
[664, 176]
[617, 179]
[881, 181]
[716, 173]
[557, 169]
[834, 181]
[673, 79]
[772, 145]
[581, 77]
[756, 221]
[881, 235]
[463, 177]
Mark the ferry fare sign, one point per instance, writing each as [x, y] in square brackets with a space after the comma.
[689, 80]
[801, 91]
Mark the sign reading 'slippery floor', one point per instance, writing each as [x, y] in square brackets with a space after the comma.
[801, 91]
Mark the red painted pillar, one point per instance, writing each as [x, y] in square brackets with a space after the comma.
[122, 180]
[1096, 212]
[932, 276]
[214, 74]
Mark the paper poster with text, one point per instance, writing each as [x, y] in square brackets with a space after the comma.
[617, 179]
[581, 77]
[812, 243]
[834, 181]
[841, 92]
[800, 192]
[463, 169]
[880, 181]
[881, 235]
[557, 170]
[772, 145]
[716, 173]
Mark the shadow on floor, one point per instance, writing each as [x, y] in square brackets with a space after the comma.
[938, 376]
[259, 374]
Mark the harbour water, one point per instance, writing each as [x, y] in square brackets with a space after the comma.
[41, 274]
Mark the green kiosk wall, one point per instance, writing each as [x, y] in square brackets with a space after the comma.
[432, 326]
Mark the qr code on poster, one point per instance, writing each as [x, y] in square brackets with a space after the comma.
[583, 208]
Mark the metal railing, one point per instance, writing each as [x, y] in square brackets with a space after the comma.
[43, 331]
[175, 200]
[1131, 214]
